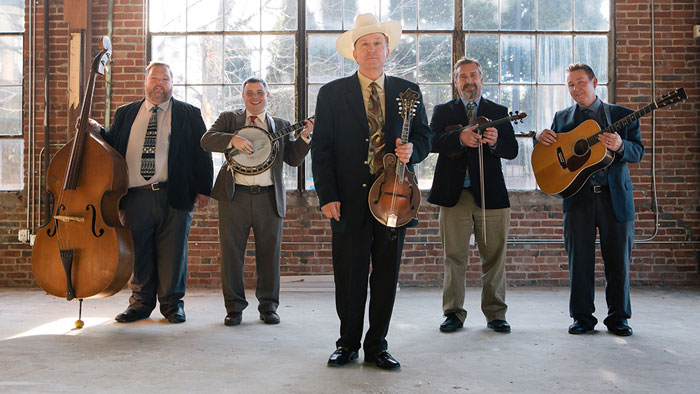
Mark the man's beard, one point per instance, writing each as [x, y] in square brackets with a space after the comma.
[469, 95]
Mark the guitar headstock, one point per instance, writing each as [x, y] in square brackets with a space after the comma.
[407, 101]
[673, 97]
[517, 116]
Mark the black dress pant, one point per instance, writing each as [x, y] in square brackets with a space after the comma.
[353, 251]
[616, 240]
[160, 235]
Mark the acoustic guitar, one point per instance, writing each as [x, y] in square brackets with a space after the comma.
[563, 167]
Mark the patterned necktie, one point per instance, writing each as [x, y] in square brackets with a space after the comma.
[599, 177]
[148, 156]
[470, 111]
[375, 119]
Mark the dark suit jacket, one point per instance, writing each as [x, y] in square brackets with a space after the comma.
[190, 169]
[450, 171]
[341, 143]
[619, 179]
[217, 138]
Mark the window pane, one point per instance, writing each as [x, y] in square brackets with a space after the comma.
[520, 98]
[434, 95]
[242, 15]
[484, 48]
[277, 58]
[204, 59]
[517, 58]
[324, 60]
[205, 15]
[170, 49]
[480, 14]
[11, 164]
[279, 15]
[602, 92]
[406, 13]
[281, 102]
[434, 57]
[518, 172]
[591, 15]
[402, 60]
[490, 92]
[233, 98]
[166, 15]
[435, 14]
[554, 55]
[550, 99]
[10, 59]
[10, 110]
[518, 15]
[241, 57]
[351, 9]
[324, 14]
[593, 50]
[209, 99]
[554, 15]
[425, 171]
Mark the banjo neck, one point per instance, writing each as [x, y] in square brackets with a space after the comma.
[281, 133]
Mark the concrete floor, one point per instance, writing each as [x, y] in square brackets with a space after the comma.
[41, 352]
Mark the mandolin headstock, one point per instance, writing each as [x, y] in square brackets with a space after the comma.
[407, 101]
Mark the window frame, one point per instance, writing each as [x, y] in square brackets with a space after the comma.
[458, 35]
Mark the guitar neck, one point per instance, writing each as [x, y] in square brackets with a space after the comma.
[624, 122]
[281, 133]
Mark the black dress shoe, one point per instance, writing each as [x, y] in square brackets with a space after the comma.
[131, 315]
[499, 325]
[383, 360]
[233, 318]
[579, 327]
[270, 317]
[451, 323]
[620, 328]
[178, 316]
[341, 356]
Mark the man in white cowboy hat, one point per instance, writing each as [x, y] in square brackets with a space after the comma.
[357, 122]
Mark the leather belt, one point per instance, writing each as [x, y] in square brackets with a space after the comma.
[599, 188]
[151, 186]
[254, 189]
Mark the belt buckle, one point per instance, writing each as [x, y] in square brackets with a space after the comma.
[256, 189]
[155, 186]
[597, 189]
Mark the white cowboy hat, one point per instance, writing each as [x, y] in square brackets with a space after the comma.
[367, 24]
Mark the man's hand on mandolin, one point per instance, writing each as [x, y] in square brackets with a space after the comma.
[403, 152]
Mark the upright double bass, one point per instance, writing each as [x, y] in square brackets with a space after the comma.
[83, 251]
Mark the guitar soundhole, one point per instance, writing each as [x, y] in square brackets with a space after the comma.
[581, 147]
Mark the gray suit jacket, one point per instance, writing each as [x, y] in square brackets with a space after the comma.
[217, 138]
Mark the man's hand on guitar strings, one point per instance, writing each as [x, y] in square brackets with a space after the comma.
[612, 141]
[547, 137]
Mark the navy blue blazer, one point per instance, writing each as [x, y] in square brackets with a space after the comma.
[190, 169]
[449, 175]
[619, 179]
[341, 142]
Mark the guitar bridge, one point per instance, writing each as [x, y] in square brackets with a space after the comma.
[561, 159]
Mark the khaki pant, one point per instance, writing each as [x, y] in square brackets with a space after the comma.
[456, 226]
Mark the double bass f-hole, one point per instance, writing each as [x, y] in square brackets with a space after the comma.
[393, 198]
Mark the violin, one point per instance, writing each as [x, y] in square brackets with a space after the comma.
[83, 251]
[394, 198]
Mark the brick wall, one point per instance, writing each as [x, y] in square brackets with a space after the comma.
[535, 258]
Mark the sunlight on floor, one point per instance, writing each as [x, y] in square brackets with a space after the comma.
[65, 326]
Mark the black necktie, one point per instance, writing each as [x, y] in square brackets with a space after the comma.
[148, 156]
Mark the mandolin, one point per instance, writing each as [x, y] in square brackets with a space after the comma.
[563, 167]
[394, 197]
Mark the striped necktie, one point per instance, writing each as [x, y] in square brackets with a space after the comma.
[148, 156]
[375, 119]
[252, 120]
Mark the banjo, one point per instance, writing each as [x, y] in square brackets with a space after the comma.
[265, 148]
